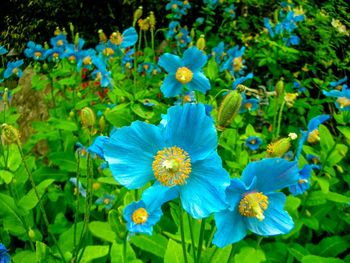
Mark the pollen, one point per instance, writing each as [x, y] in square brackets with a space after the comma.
[139, 216]
[248, 106]
[108, 51]
[116, 38]
[15, 71]
[87, 60]
[237, 64]
[106, 201]
[59, 43]
[37, 54]
[184, 75]
[314, 136]
[253, 205]
[343, 102]
[172, 166]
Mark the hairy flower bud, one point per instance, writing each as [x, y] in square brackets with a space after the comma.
[9, 134]
[279, 87]
[88, 118]
[228, 109]
[201, 43]
[137, 14]
[278, 148]
[152, 20]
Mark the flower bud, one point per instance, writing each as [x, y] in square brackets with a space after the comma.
[102, 36]
[279, 87]
[201, 43]
[152, 20]
[31, 233]
[278, 148]
[228, 109]
[71, 27]
[5, 96]
[76, 40]
[9, 134]
[88, 118]
[57, 31]
[102, 123]
[137, 14]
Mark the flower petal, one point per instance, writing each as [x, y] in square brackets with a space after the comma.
[277, 220]
[130, 152]
[191, 129]
[199, 82]
[234, 192]
[129, 37]
[204, 192]
[272, 174]
[194, 59]
[316, 121]
[156, 195]
[170, 62]
[230, 228]
[171, 87]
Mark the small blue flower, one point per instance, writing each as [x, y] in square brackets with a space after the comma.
[253, 142]
[80, 189]
[233, 61]
[343, 97]
[183, 37]
[241, 80]
[4, 256]
[185, 71]
[85, 59]
[54, 54]
[314, 161]
[173, 29]
[292, 40]
[179, 154]
[303, 183]
[248, 104]
[230, 11]
[101, 73]
[106, 200]
[298, 87]
[3, 50]
[13, 69]
[59, 41]
[128, 59]
[199, 21]
[254, 204]
[35, 51]
[218, 52]
[268, 26]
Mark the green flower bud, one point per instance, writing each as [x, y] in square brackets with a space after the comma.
[88, 118]
[9, 134]
[278, 148]
[31, 233]
[152, 20]
[201, 43]
[228, 109]
[279, 87]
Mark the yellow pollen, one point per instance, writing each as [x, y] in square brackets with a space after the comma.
[116, 38]
[237, 64]
[37, 54]
[253, 205]
[343, 102]
[154, 72]
[184, 75]
[139, 216]
[98, 76]
[15, 71]
[106, 201]
[248, 106]
[145, 66]
[174, 6]
[172, 166]
[59, 42]
[87, 60]
[314, 136]
[108, 51]
[301, 181]
[72, 58]
[55, 55]
[253, 141]
[96, 186]
[187, 98]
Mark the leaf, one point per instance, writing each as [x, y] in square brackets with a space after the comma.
[338, 198]
[102, 230]
[14, 160]
[333, 246]
[316, 198]
[174, 253]
[298, 251]
[43, 253]
[94, 252]
[337, 154]
[44, 173]
[155, 244]
[345, 131]
[6, 176]
[66, 161]
[249, 255]
[25, 256]
[140, 111]
[63, 124]
[119, 116]
[221, 255]
[326, 141]
[116, 254]
[313, 259]
[30, 200]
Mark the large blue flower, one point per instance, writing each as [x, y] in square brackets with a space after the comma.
[185, 71]
[254, 203]
[304, 181]
[179, 154]
[4, 256]
[13, 68]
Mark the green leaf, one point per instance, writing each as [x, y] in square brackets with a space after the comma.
[63, 124]
[40, 82]
[43, 253]
[113, 220]
[102, 230]
[249, 255]
[14, 160]
[30, 200]
[212, 69]
[316, 198]
[326, 141]
[313, 259]
[221, 255]
[94, 252]
[345, 131]
[298, 251]
[66, 161]
[119, 116]
[44, 173]
[6, 176]
[333, 246]
[117, 254]
[155, 244]
[140, 111]
[337, 154]
[174, 253]
[338, 198]
[25, 256]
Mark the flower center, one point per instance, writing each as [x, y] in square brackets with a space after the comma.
[37, 54]
[59, 43]
[55, 55]
[248, 105]
[139, 216]
[108, 51]
[87, 60]
[314, 136]
[172, 166]
[237, 64]
[184, 75]
[253, 205]
[343, 102]
[15, 71]
[106, 201]
[253, 141]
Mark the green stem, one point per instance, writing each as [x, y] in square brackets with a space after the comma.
[213, 254]
[280, 119]
[145, 38]
[152, 45]
[275, 118]
[201, 239]
[192, 237]
[124, 247]
[77, 202]
[41, 206]
[182, 233]
[233, 249]
[211, 236]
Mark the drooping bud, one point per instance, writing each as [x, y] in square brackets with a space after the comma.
[278, 148]
[279, 87]
[31, 233]
[88, 118]
[201, 43]
[76, 40]
[9, 134]
[152, 20]
[5, 96]
[137, 15]
[102, 36]
[71, 28]
[228, 109]
[57, 31]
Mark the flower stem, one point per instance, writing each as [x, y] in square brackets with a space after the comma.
[77, 202]
[182, 233]
[280, 119]
[192, 237]
[201, 239]
[41, 206]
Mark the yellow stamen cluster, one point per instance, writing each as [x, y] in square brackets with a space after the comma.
[248, 106]
[184, 75]
[172, 166]
[314, 136]
[116, 38]
[108, 51]
[139, 216]
[87, 60]
[59, 43]
[343, 102]
[37, 54]
[253, 205]
[55, 55]
[237, 64]
[106, 201]
[15, 71]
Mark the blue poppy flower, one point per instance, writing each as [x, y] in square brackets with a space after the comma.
[106, 200]
[314, 161]
[248, 104]
[293, 40]
[180, 154]
[54, 54]
[298, 87]
[79, 189]
[233, 61]
[253, 142]
[268, 26]
[199, 21]
[129, 38]
[288, 155]
[254, 204]
[34, 51]
[141, 216]
[4, 256]
[85, 59]
[127, 60]
[173, 28]
[185, 71]
[108, 49]
[303, 183]
[145, 68]
[343, 97]
[339, 82]
[101, 73]
[218, 52]
[3, 50]
[211, 4]
[230, 11]
[183, 37]
[312, 127]
[13, 69]
[59, 41]
[97, 146]
[178, 8]
[241, 80]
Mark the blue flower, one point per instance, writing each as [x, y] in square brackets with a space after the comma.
[211, 4]
[141, 216]
[100, 73]
[253, 142]
[312, 127]
[173, 28]
[4, 256]
[13, 69]
[293, 40]
[127, 60]
[218, 52]
[314, 161]
[343, 96]
[241, 80]
[85, 59]
[298, 87]
[178, 8]
[78, 190]
[179, 154]
[268, 26]
[34, 51]
[183, 37]
[97, 146]
[199, 21]
[185, 71]
[248, 104]
[339, 82]
[303, 183]
[129, 38]
[106, 200]
[230, 11]
[54, 54]
[59, 41]
[233, 62]
[3, 50]
[254, 204]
